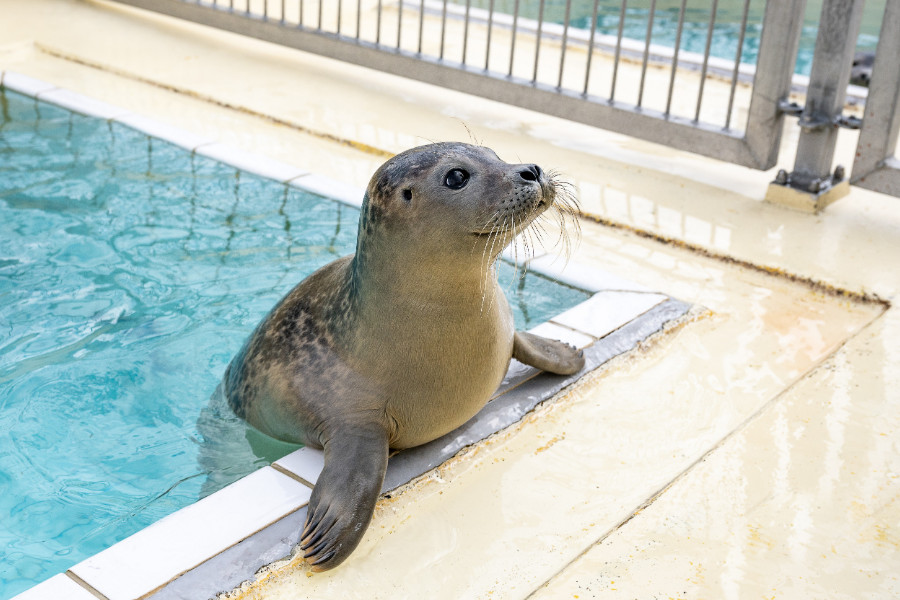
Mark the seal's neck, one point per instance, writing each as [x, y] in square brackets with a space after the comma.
[394, 280]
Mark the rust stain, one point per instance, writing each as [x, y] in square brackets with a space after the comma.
[553, 441]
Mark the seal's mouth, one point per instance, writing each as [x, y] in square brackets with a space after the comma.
[515, 220]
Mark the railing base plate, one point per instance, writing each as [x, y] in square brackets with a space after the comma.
[810, 202]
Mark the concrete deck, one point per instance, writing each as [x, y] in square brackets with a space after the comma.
[755, 452]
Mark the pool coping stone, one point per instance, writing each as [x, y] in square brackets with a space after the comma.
[201, 550]
[57, 587]
[176, 544]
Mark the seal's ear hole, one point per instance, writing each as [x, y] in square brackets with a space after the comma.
[407, 195]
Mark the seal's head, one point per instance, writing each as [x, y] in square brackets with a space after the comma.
[457, 201]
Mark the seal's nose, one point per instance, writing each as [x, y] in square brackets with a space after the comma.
[531, 173]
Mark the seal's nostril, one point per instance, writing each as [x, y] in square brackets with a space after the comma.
[531, 173]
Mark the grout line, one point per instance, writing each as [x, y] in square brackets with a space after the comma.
[741, 427]
[88, 587]
[593, 337]
[206, 98]
[292, 475]
[557, 323]
[814, 284]
[511, 388]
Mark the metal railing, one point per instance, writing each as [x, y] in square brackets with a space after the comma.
[516, 52]
[877, 166]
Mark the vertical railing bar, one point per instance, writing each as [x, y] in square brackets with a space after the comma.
[881, 122]
[490, 28]
[537, 41]
[587, 72]
[321, 4]
[675, 56]
[421, 23]
[340, 8]
[282, 11]
[358, 19]
[737, 64]
[565, 42]
[515, 27]
[650, 19]
[709, 34]
[443, 29]
[300, 16]
[399, 22]
[378, 25]
[615, 73]
[466, 31]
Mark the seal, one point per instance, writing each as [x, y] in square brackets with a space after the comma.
[405, 340]
[861, 71]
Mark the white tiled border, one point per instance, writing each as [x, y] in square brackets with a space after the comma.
[152, 557]
[155, 556]
[57, 587]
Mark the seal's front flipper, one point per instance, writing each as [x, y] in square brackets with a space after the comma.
[548, 355]
[344, 496]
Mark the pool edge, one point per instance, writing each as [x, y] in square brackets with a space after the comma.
[108, 574]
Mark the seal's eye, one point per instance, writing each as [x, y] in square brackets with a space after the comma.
[456, 179]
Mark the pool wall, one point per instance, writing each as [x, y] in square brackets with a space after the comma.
[224, 539]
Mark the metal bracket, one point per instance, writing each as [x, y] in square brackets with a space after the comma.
[816, 122]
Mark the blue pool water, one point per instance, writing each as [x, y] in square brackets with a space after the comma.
[131, 270]
[726, 29]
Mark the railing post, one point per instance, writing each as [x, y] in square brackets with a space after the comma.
[877, 166]
[811, 185]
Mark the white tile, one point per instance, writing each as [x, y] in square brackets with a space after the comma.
[306, 463]
[25, 84]
[331, 188]
[607, 311]
[154, 556]
[582, 276]
[563, 334]
[164, 131]
[81, 104]
[58, 587]
[253, 163]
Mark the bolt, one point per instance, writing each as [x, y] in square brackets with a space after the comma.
[815, 185]
[782, 177]
[839, 173]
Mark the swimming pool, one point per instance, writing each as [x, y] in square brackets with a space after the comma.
[130, 272]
